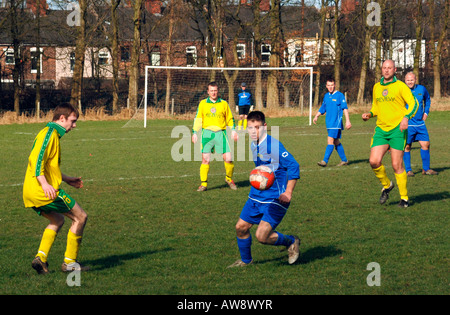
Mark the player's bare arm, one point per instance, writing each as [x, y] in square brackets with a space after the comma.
[348, 124]
[286, 197]
[366, 116]
[49, 190]
[404, 124]
[73, 181]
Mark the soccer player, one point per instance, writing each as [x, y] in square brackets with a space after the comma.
[417, 131]
[213, 117]
[268, 207]
[390, 97]
[42, 192]
[244, 104]
[334, 105]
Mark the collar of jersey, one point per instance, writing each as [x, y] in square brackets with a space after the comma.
[60, 129]
[393, 81]
[218, 100]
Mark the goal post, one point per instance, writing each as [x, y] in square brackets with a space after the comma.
[180, 89]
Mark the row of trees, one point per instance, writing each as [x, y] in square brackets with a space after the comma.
[220, 22]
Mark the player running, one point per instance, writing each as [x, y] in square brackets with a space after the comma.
[267, 207]
[213, 117]
[41, 191]
[417, 131]
[334, 105]
[390, 97]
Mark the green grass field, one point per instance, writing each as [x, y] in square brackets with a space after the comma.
[150, 232]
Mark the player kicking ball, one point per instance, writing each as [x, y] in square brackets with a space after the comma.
[267, 207]
[41, 191]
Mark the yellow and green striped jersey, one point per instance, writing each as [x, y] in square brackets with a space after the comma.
[390, 103]
[45, 159]
[213, 116]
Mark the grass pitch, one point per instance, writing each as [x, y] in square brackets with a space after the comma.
[150, 232]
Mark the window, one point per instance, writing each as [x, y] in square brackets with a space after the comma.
[34, 59]
[155, 58]
[265, 54]
[9, 57]
[72, 61]
[191, 56]
[240, 48]
[125, 53]
[103, 57]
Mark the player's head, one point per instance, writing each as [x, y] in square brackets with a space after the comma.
[213, 91]
[256, 125]
[243, 85]
[66, 115]
[410, 79]
[330, 85]
[388, 69]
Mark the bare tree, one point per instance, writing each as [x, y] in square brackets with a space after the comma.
[323, 17]
[115, 54]
[133, 83]
[275, 54]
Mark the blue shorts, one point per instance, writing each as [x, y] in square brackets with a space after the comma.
[334, 133]
[271, 212]
[419, 133]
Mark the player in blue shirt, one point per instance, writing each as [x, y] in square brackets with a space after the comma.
[417, 131]
[267, 207]
[244, 103]
[334, 105]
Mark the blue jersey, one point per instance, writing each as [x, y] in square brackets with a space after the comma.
[245, 98]
[423, 98]
[271, 152]
[334, 105]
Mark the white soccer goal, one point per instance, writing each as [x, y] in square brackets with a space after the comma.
[290, 87]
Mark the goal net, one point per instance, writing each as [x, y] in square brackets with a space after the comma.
[178, 90]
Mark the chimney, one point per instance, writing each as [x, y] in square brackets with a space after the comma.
[153, 6]
[32, 5]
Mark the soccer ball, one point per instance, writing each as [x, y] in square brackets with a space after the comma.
[262, 177]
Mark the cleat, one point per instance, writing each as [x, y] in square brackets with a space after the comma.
[75, 266]
[429, 172]
[322, 163]
[39, 266]
[294, 251]
[201, 188]
[239, 263]
[231, 184]
[410, 174]
[385, 193]
[342, 163]
[403, 203]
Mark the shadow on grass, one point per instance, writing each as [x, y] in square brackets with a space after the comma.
[312, 254]
[117, 260]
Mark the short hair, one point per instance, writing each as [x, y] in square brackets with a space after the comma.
[256, 115]
[330, 79]
[213, 84]
[64, 109]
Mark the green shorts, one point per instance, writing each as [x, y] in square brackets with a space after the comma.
[215, 140]
[395, 138]
[62, 204]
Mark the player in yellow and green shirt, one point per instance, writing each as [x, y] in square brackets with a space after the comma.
[42, 192]
[390, 99]
[212, 119]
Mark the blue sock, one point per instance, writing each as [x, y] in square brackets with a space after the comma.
[245, 248]
[407, 161]
[425, 154]
[340, 151]
[328, 152]
[285, 240]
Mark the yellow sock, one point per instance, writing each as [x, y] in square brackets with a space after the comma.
[73, 246]
[204, 169]
[229, 169]
[380, 173]
[239, 124]
[402, 179]
[245, 124]
[46, 244]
